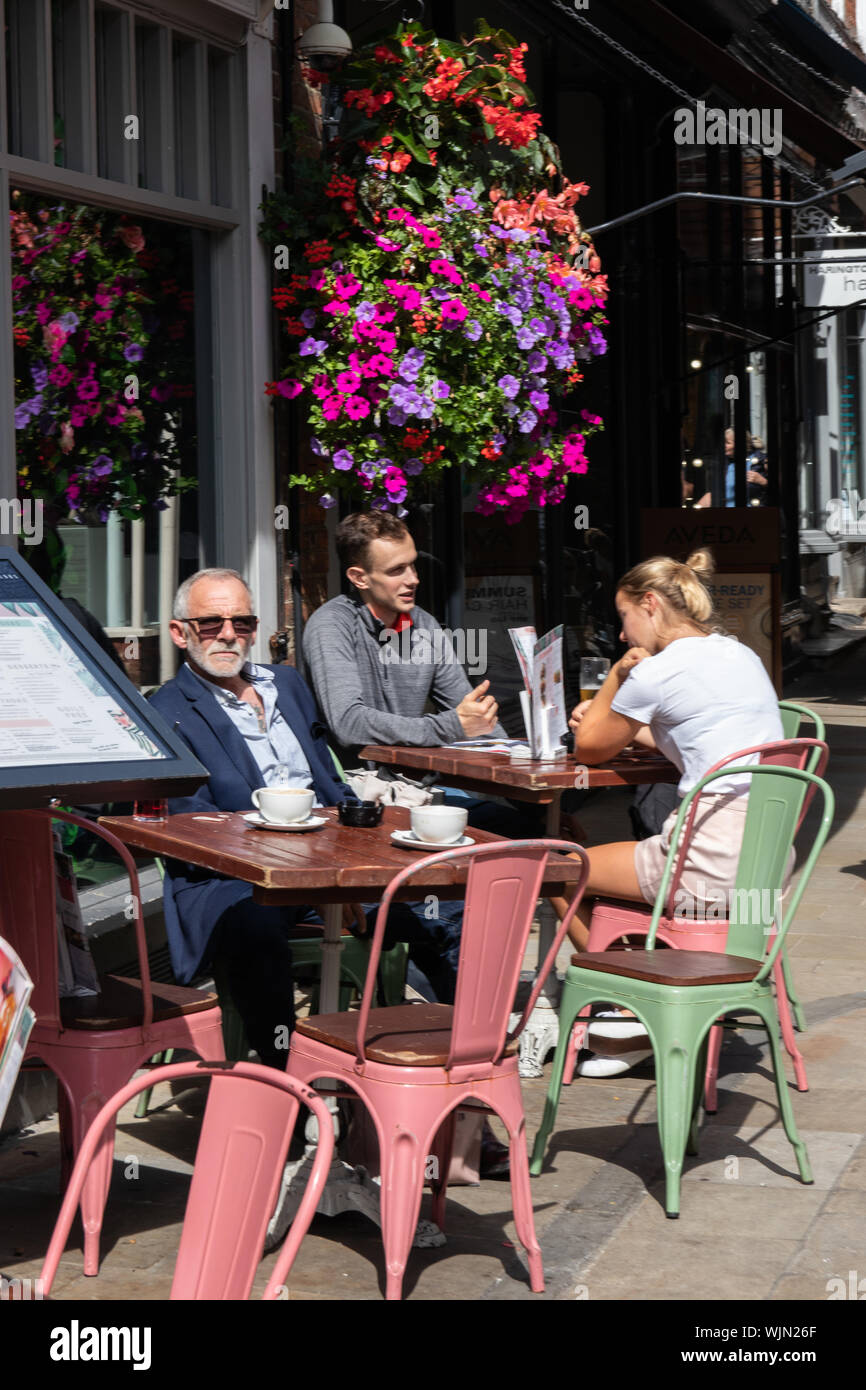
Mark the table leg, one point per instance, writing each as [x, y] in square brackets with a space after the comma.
[542, 1029]
[332, 946]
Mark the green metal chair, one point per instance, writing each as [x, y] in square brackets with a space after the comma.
[793, 714]
[679, 995]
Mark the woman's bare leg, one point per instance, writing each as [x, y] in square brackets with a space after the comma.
[611, 875]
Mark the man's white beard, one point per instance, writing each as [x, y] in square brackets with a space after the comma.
[219, 667]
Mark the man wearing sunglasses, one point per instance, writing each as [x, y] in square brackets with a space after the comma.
[250, 726]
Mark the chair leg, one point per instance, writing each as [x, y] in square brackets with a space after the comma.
[674, 1033]
[441, 1150]
[784, 1007]
[714, 1048]
[158, 1059]
[568, 1011]
[785, 1107]
[793, 997]
[521, 1197]
[701, 1070]
[576, 1041]
[402, 1162]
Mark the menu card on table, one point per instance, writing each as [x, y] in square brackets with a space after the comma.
[543, 700]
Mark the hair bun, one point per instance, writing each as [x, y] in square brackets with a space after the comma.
[703, 564]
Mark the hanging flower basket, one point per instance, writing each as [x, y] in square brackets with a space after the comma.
[435, 323]
[101, 362]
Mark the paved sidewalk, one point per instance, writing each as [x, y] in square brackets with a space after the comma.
[749, 1229]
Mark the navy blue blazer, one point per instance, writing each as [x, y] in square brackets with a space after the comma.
[193, 898]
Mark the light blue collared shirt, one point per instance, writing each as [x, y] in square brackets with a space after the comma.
[278, 754]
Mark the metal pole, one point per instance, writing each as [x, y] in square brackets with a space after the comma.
[719, 198]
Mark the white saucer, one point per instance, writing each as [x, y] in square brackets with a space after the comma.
[258, 822]
[407, 839]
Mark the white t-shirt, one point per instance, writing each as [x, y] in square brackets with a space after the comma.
[703, 698]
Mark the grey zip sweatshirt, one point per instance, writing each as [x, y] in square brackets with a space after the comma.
[373, 684]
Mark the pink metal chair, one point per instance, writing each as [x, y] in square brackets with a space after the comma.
[413, 1065]
[93, 1045]
[613, 920]
[248, 1123]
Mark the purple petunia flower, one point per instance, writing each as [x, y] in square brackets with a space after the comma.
[540, 399]
[480, 249]
[536, 361]
[343, 460]
[312, 347]
[69, 322]
[412, 467]
[133, 352]
[509, 386]
[308, 318]
[464, 199]
[527, 421]
[326, 500]
[472, 330]
[396, 415]
[442, 390]
[526, 339]
[102, 465]
[318, 447]
[365, 311]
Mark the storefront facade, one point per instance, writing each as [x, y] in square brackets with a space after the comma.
[162, 112]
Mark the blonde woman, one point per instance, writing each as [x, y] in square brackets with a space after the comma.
[685, 688]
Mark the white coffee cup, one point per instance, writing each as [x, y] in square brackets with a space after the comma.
[440, 825]
[283, 805]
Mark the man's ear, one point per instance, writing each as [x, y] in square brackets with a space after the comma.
[178, 633]
[358, 577]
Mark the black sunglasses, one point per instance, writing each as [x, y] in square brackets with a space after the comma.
[243, 624]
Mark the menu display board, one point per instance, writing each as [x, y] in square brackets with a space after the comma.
[71, 725]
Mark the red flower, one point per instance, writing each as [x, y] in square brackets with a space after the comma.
[384, 55]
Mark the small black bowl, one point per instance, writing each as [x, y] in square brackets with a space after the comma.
[363, 814]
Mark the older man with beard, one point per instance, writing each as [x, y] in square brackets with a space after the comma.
[251, 726]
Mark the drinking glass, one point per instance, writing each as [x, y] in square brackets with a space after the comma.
[593, 673]
[154, 809]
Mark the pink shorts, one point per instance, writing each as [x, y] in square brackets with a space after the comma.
[710, 870]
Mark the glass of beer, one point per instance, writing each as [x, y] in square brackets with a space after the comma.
[593, 673]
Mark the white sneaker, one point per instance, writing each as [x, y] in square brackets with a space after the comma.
[612, 1066]
[624, 1031]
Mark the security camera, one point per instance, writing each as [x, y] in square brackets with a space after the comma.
[325, 44]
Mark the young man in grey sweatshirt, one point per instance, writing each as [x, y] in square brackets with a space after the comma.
[376, 659]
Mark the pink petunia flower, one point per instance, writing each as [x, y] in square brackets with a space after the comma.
[453, 311]
[332, 406]
[357, 408]
[348, 382]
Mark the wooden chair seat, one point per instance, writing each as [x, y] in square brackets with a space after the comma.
[407, 1035]
[119, 1004]
[671, 967]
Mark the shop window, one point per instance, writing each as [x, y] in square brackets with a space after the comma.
[105, 401]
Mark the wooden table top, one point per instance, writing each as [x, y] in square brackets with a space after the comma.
[338, 863]
[528, 779]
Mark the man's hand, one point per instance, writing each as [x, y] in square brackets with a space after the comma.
[355, 916]
[754, 477]
[477, 712]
